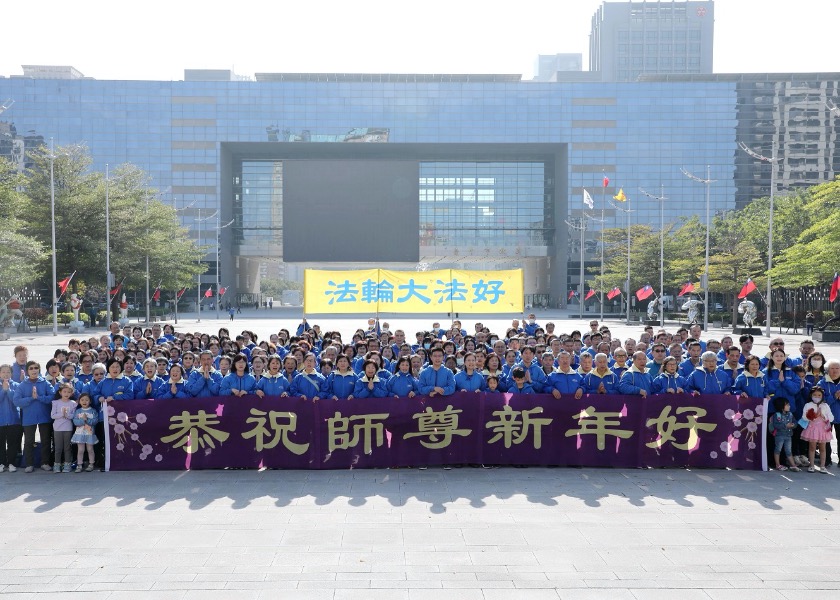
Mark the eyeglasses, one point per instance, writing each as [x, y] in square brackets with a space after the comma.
[659, 350]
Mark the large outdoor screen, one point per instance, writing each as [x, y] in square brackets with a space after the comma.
[351, 211]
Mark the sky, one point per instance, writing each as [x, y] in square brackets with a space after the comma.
[158, 39]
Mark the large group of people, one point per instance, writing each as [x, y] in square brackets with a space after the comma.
[65, 400]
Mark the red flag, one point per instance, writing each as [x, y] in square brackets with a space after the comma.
[156, 295]
[209, 292]
[62, 286]
[589, 294]
[835, 287]
[644, 293]
[613, 293]
[222, 291]
[572, 294]
[181, 293]
[688, 287]
[116, 290]
[606, 181]
[748, 287]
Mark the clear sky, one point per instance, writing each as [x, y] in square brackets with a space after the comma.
[156, 39]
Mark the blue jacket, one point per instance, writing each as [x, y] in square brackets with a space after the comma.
[779, 422]
[469, 383]
[592, 381]
[200, 387]
[93, 417]
[247, 383]
[401, 384]
[526, 389]
[504, 381]
[538, 379]
[664, 382]
[653, 368]
[308, 384]
[361, 389]
[619, 370]
[686, 367]
[565, 383]
[165, 391]
[786, 389]
[732, 373]
[634, 381]
[442, 378]
[751, 385]
[141, 384]
[273, 385]
[9, 413]
[341, 386]
[77, 384]
[716, 382]
[531, 328]
[120, 388]
[34, 410]
[18, 372]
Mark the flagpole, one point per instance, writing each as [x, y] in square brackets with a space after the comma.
[176, 306]
[52, 210]
[603, 204]
[108, 282]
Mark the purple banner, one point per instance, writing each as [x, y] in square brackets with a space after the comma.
[671, 430]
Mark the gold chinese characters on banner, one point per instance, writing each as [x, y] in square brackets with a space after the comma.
[446, 290]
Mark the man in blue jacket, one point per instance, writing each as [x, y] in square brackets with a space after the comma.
[436, 380]
[205, 380]
[636, 380]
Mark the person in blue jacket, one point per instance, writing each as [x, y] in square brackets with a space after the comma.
[468, 379]
[370, 385]
[493, 368]
[752, 382]
[34, 396]
[565, 379]
[239, 382]
[519, 385]
[342, 381]
[308, 383]
[708, 379]
[669, 381]
[273, 383]
[534, 374]
[115, 386]
[436, 380]
[403, 384]
[636, 381]
[601, 380]
[782, 382]
[204, 381]
[68, 375]
[175, 386]
[148, 385]
[11, 429]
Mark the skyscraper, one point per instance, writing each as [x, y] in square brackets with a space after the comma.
[632, 38]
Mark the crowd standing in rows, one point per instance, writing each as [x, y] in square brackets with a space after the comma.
[65, 400]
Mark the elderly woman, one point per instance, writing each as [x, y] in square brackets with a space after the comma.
[708, 379]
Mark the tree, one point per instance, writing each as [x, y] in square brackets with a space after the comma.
[732, 259]
[22, 257]
[274, 286]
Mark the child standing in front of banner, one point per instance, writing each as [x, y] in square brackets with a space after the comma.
[63, 409]
[85, 419]
[782, 425]
[818, 430]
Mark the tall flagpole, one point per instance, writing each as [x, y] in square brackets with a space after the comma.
[603, 204]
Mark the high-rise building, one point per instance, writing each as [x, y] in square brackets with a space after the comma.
[629, 39]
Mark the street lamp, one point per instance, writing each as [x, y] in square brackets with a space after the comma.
[52, 218]
[626, 211]
[707, 182]
[218, 282]
[109, 278]
[198, 291]
[582, 228]
[661, 199]
[768, 159]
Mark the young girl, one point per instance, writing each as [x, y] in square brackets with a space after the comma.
[63, 408]
[85, 419]
[782, 425]
[818, 431]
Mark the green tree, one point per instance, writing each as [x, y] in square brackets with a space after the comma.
[23, 258]
[275, 286]
[733, 259]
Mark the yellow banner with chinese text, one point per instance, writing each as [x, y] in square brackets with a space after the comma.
[445, 290]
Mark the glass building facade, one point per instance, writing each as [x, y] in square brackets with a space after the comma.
[503, 163]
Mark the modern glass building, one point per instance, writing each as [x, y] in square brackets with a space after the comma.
[416, 171]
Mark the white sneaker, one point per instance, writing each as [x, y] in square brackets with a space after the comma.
[2, 468]
[12, 468]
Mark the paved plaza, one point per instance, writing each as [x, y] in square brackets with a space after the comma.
[466, 534]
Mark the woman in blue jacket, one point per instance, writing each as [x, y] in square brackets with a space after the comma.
[403, 384]
[148, 385]
[308, 383]
[752, 383]
[493, 368]
[10, 427]
[239, 382]
[341, 383]
[370, 385]
[273, 383]
[468, 379]
[782, 382]
[115, 386]
[175, 386]
[669, 381]
[34, 396]
[708, 379]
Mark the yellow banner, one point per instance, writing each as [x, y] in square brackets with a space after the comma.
[380, 290]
